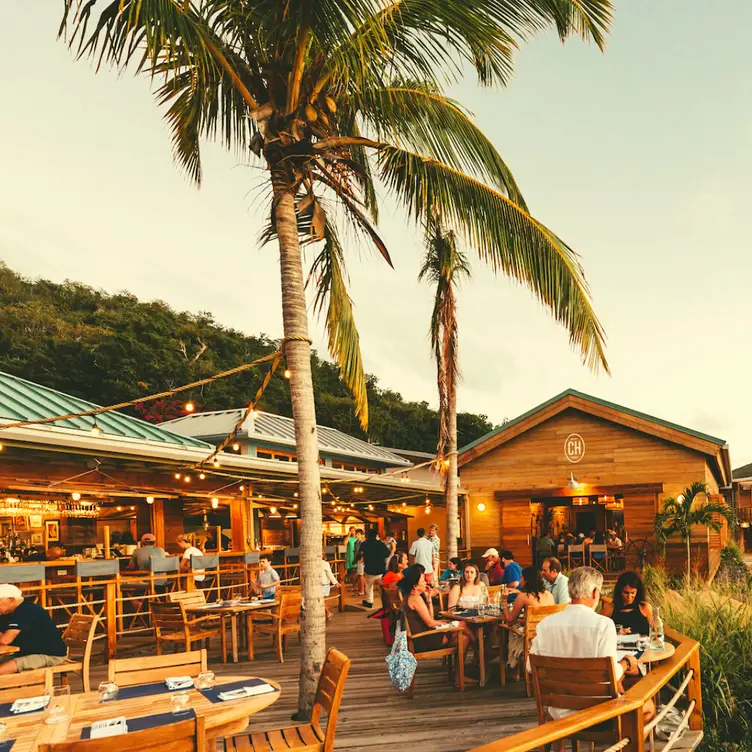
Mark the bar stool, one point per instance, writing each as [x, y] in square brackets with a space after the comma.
[250, 567]
[30, 578]
[292, 561]
[90, 586]
[209, 564]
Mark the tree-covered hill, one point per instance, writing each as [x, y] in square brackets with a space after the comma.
[112, 348]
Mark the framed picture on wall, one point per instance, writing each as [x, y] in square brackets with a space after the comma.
[37, 539]
[35, 521]
[20, 524]
[52, 530]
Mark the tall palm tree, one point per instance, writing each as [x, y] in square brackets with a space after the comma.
[444, 265]
[328, 94]
[679, 515]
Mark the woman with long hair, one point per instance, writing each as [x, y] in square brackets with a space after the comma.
[469, 591]
[630, 610]
[397, 565]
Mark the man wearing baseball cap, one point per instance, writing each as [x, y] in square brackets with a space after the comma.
[493, 568]
[30, 628]
[147, 550]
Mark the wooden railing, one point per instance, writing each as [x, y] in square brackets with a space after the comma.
[628, 707]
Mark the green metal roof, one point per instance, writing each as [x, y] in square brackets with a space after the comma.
[604, 403]
[25, 400]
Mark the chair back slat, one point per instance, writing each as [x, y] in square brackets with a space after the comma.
[576, 549]
[12, 574]
[251, 557]
[188, 598]
[208, 561]
[163, 564]
[109, 567]
[329, 693]
[79, 635]
[128, 671]
[597, 548]
[536, 614]
[25, 684]
[289, 608]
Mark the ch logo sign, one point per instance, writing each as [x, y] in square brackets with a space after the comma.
[574, 447]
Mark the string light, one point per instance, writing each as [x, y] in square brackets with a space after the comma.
[273, 510]
[296, 494]
[370, 507]
[189, 407]
[241, 487]
[178, 476]
[187, 479]
[1, 447]
[428, 509]
[201, 476]
[215, 502]
[236, 447]
[119, 509]
[95, 429]
[288, 373]
[149, 499]
[294, 506]
[216, 463]
[76, 496]
[481, 507]
[133, 509]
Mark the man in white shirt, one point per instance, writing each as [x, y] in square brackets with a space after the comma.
[433, 537]
[421, 552]
[327, 580]
[578, 632]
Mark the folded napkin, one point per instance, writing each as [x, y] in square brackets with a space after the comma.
[108, 727]
[448, 625]
[30, 704]
[178, 682]
[239, 694]
[627, 639]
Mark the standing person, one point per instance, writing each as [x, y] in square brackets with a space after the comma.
[267, 581]
[374, 554]
[360, 572]
[492, 566]
[421, 552]
[327, 580]
[433, 537]
[512, 570]
[350, 555]
[556, 583]
[184, 541]
[391, 543]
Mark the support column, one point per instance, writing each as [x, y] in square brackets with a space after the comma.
[239, 516]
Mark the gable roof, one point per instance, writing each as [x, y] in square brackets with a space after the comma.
[279, 429]
[743, 472]
[22, 400]
[571, 398]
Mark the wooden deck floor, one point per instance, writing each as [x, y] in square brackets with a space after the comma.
[373, 716]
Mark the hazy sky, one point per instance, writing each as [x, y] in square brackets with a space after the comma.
[640, 158]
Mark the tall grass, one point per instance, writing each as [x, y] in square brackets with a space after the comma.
[719, 617]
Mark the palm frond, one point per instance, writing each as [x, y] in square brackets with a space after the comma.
[416, 115]
[330, 278]
[589, 19]
[505, 236]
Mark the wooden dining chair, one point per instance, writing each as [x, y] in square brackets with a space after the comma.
[126, 672]
[309, 737]
[575, 553]
[598, 556]
[25, 684]
[279, 623]
[533, 617]
[576, 684]
[174, 626]
[79, 639]
[452, 652]
[182, 736]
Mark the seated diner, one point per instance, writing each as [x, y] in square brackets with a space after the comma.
[453, 570]
[630, 612]
[397, 566]
[469, 592]
[30, 628]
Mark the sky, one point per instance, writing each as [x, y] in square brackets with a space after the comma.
[640, 158]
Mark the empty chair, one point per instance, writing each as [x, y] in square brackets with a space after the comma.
[598, 554]
[128, 671]
[173, 625]
[279, 623]
[79, 639]
[182, 736]
[576, 554]
[309, 737]
[25, 684]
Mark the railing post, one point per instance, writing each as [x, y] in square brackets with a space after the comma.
[633, 727]
[110, 605]
[107, 552]
[694, 691]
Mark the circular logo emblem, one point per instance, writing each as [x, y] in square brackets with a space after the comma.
[574, 447]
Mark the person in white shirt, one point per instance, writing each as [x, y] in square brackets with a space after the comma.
[184, 541]
[421, 552]
[327, 580]
[578, 632]
[433, 537]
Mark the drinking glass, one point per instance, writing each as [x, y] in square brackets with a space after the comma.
[619, 629]
[59, 705]
[181, 703]
[643, 642]
[205, 680]
[108, 690]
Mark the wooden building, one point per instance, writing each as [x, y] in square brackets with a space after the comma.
[742, 499]
[582, 463]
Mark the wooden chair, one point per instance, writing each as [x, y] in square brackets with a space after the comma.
[449, 651]
[576, 684]
[173, 625]
[533, 617]
[126, 672]
[576, 552]
[285, 620]
[209, 566]
[79, 639]
[25, 684]
[309, 737]
[31, 578]
[182, 736]
[598, 562]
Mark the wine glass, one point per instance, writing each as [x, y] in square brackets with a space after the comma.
[59, 705]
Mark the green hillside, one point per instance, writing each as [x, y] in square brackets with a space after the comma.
[111, 348]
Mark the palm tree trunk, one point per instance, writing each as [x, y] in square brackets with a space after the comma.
[298, 356]
[452, 481]
[689, 555]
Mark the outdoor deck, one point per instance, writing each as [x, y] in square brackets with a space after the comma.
[373, 716]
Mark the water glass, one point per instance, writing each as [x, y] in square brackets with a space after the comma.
[108, 690]
[643, 642]
[181, 703]
[58, 708]
[205, 680]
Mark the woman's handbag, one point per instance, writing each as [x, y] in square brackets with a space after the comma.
[401, 662]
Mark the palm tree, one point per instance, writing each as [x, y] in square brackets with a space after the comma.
[443, 266]
[326, 95]
[680, 514]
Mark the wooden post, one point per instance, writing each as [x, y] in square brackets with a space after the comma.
[633, 727]
[106, 541]
[239, 524]
[157, 521]
[110, 597]
[694, 691]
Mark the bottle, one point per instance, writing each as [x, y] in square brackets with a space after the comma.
[656, 631]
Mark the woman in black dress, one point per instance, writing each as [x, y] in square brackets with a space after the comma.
[630, 610]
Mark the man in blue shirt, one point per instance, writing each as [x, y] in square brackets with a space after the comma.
[512, 570]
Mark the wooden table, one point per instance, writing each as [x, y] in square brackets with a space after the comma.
[233, 611]
[222, 718]
[655, 656]
[8, 649]
[479, 622]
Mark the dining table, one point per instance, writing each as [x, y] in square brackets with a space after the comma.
[145, 704]
[233, 610]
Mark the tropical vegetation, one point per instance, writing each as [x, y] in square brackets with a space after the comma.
[331, 95]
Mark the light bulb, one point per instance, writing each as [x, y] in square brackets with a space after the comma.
[294, 506]
[119, 509]
[189, 407]
[216, 463]
[95, 429]
[149, 499]
[133, 509]
[370, 507]
[273, 510]
[177, 476]
[241, 487]
[201, 476]
[236, 447]
[76, 496]
[215, 502]
[481, 507]
[404, 503]
[1, 447]
[288, 373]
[428, 510]
[296, 494]
[187, 479]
